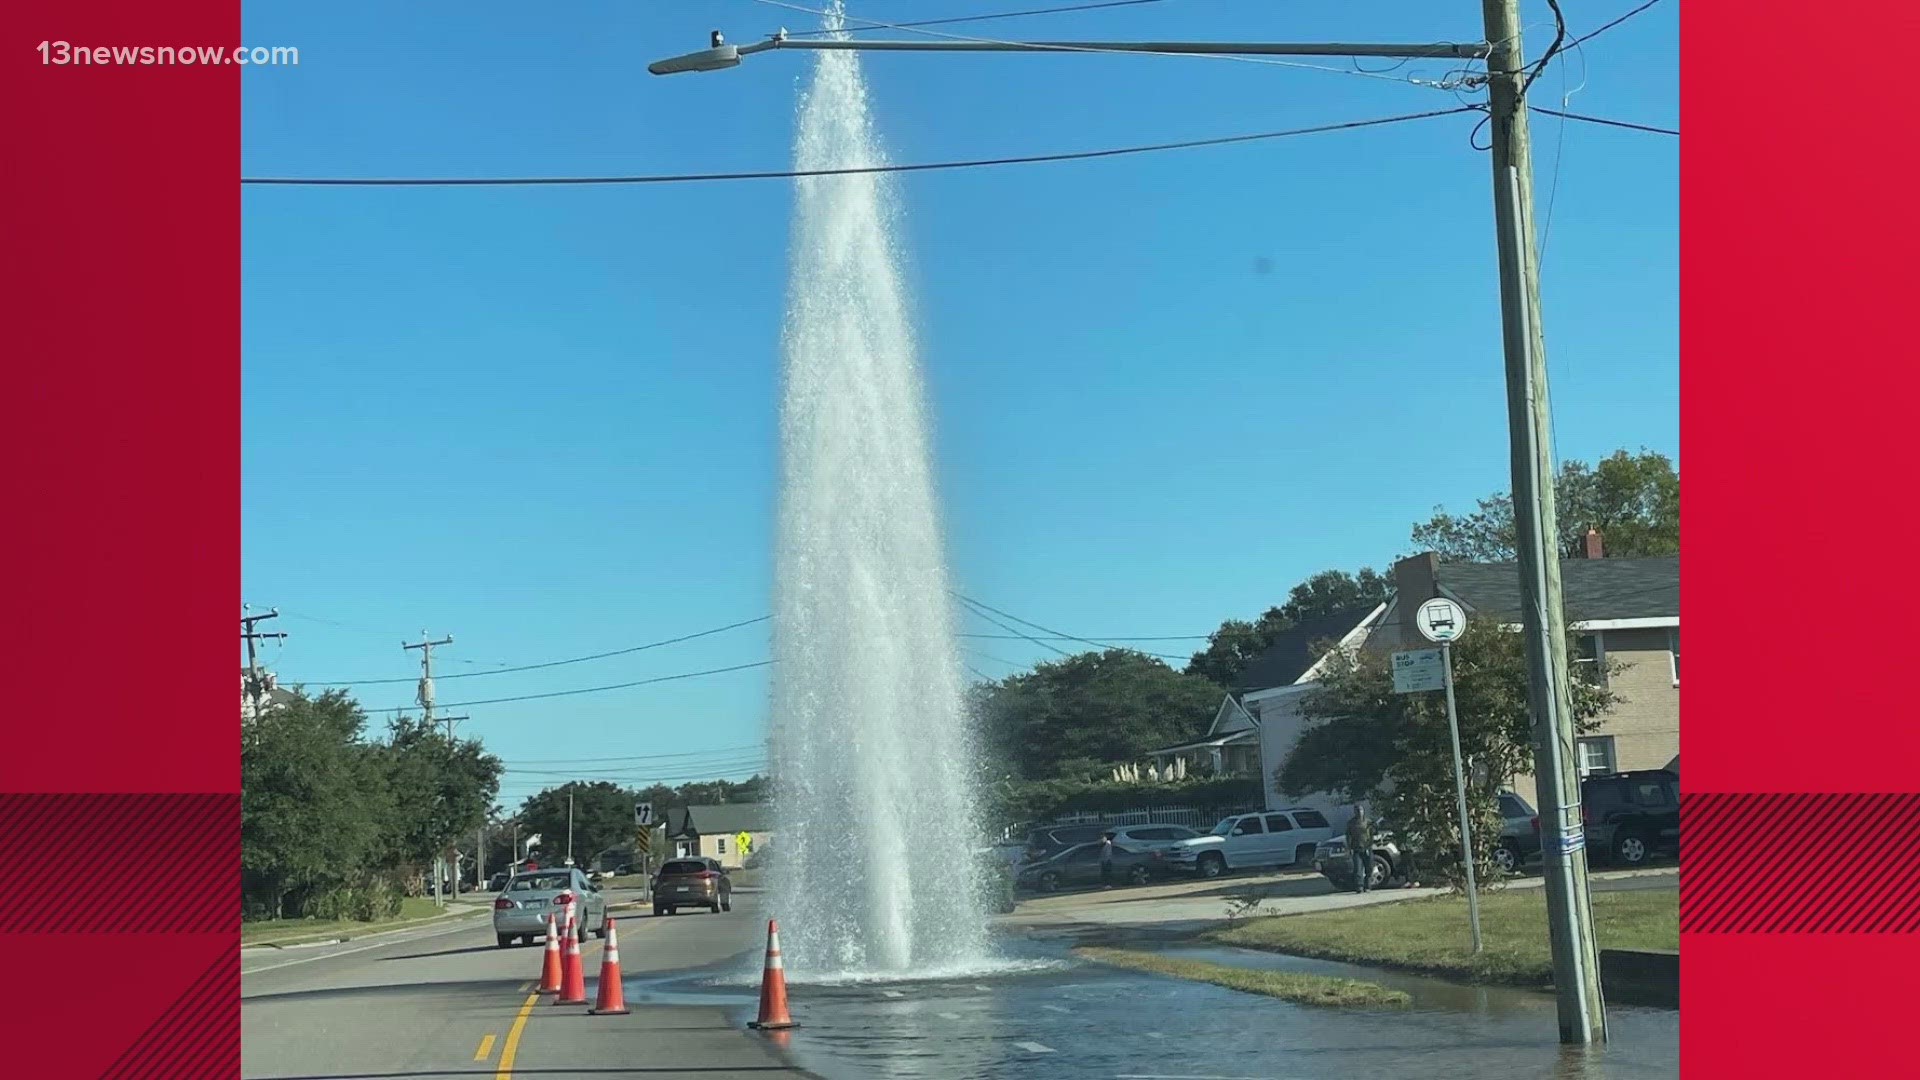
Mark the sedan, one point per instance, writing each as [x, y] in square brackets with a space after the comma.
[1080, 865]
[521, 911]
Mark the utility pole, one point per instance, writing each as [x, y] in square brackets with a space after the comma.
[256, 686]
[426, 646]
[1576, 961]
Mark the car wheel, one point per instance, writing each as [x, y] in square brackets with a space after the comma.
[1049, 882]
[658, 911]
[1212, 865]
[1139, 875]
[504, 940]
[1629, 850]
[1505, 858]
[1378, 873]
[673, 911]
[714, 907]
[727, 904]
[580, 932]
[602, 932]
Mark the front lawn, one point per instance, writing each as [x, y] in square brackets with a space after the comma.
[1431, 935]
[413, 909]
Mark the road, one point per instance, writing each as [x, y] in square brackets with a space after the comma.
[445, 1001]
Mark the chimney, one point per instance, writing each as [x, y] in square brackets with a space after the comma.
[1416, 580]
[1595, 549]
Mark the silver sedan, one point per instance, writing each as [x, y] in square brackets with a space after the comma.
[521, 911]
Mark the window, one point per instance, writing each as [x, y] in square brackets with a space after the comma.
[1084, 853]
[720, 845]
[1511, 806]
[1590, 659]
[1278, 823]
[1596, 755]
[1673, 652]
[1309, 819]
[1148, 834]
[1650, 793]
[1248, 827]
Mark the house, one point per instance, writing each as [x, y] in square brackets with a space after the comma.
[1257, 725]
[1624, 615]
[713, 831]
[262, 696]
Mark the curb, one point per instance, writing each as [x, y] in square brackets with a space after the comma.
[340, 939]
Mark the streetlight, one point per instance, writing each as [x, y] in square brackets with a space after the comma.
[1529, 432]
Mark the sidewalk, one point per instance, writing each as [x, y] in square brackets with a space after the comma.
[1184, 907]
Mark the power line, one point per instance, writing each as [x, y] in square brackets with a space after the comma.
[560, 663]
[1603, 120]
[973, 18]
[790, 174]
[585, 689]
[1591, 34]
[1045, 630]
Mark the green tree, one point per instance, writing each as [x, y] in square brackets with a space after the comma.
[1365, 742]
[1633, 499]
[1237, 642]
[1075, 716]
[442, 789]
[602, 819]
[312, 799]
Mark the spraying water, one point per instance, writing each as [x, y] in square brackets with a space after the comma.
[873, 749]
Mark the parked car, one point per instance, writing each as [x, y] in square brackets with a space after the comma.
[1079, 865]
[1151, 837]
[693, 882]
[1050, 840]
[520, 913]
[1519, 841]
[1630, 816]
[1286, 837]
[499, 881]
[1389, 862]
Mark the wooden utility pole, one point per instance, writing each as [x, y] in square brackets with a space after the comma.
[256, 684]
[1576, 959]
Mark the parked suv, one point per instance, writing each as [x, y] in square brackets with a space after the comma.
[697, 882]
[1631, 815]
[1284, 837]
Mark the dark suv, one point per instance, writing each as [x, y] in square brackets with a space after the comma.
[1630, 816]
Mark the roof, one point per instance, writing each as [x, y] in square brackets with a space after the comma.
[1593, 588]
[1295, 651]
[724, 819]
[1241, 736]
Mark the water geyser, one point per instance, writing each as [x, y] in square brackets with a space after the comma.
[874, 873]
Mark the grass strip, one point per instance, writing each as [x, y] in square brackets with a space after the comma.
[1322, 990]
[1430, 936]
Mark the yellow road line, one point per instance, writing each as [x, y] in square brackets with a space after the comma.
[486, 1048]
[512, 1045]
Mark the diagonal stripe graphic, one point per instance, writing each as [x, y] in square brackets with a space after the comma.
[1801, 863]
[158, 860]
[196, 1036]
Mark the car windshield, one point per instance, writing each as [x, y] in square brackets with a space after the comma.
[541, 883]
[1224, 827]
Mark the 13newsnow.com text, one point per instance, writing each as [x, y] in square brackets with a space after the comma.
[67, 54]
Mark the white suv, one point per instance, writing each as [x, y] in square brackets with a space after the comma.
[1284, 837]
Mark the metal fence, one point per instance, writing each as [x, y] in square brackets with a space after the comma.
[1197, 818]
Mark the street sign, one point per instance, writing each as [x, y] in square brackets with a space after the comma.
[1417, 670]
[643, 814]
[743, 842]
[1441, 620]
[643, 841]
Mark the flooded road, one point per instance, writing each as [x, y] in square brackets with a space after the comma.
[1062, 1017]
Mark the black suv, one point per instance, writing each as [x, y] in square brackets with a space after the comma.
[1631, 815]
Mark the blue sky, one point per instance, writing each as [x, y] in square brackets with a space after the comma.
[1166, 387]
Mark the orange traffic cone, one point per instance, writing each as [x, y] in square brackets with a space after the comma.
[611, 1000]
[573, 980]
[773, 987]
[550, 968]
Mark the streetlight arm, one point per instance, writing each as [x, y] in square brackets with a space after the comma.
[1445, 50]
[725, 56]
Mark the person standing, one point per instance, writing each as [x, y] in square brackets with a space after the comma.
[1106, 861]
[1360, 848]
